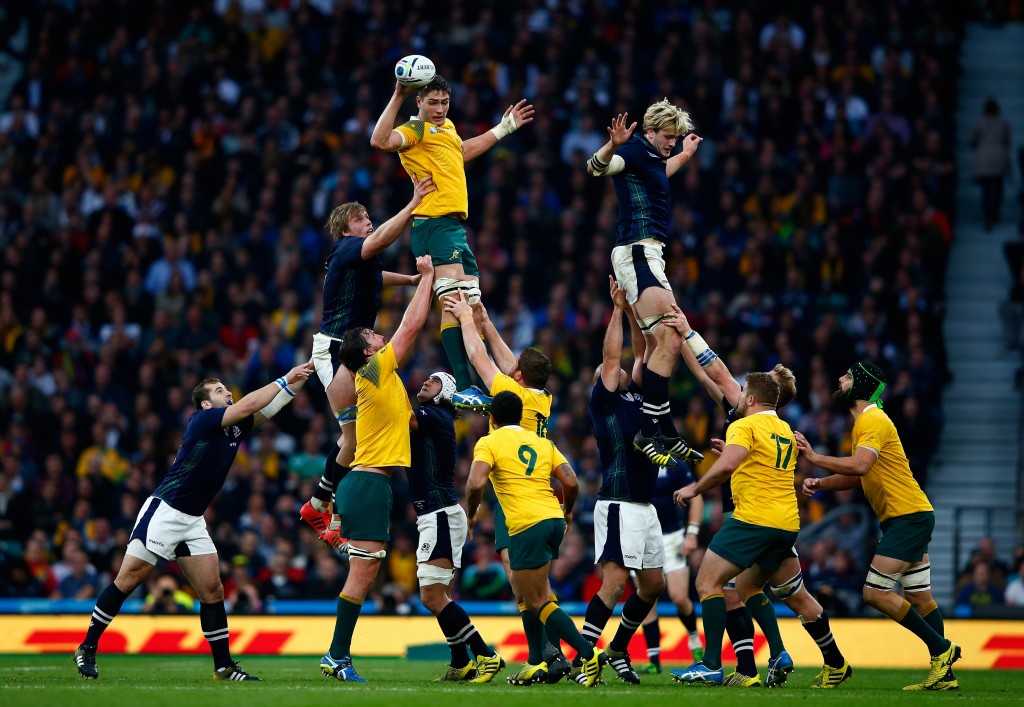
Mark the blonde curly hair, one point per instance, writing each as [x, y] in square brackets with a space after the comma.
[665, 116]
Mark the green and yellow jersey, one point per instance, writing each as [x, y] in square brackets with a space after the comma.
[436, 150]
[889, 485]
[762, 485]
[536, 403]
[382, 425]
[521, 465]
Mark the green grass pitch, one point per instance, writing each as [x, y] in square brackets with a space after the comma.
[186, 681]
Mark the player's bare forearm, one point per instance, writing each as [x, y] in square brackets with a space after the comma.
[611, 351]
[395, 279]
[476, 352]
[846, 466]
[695, 510]
[381, 138]
[479, 472]
[504, 359]
[570, 486]
[722, 468]
[416, 313]
[714, 392]
[255, 401]
[838, 482]
[690, 144]
[476, 146]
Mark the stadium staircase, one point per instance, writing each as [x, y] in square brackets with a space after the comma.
[979, 458]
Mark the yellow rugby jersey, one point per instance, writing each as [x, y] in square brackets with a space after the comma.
[382, 424]
[536, 403]
[521, 466]
[889, 485]
[762, 485]
[436, 150]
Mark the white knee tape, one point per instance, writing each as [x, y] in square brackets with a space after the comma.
[881, 581]
[789, 587]
[354, 551]
[446, 286]
[432, 574]
[917, 579]
[649, 325]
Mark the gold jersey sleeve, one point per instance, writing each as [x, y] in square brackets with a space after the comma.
[762, 485]
[436, 150]
[382, 420]
[889, 485]
[536, 403]
[521, 466]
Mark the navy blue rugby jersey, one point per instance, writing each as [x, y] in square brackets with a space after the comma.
[352, 288]
[670, 515]
[628, 475]
[202, 462]
[642, 191]
[432, 470]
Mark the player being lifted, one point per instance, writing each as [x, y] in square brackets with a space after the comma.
[352, 290]
[756, 545]
[429, 145]
[880, 466]
[382, 444]
[715, 377]
[520, 465]
[170, 524]
[640, 167]
[441, 524]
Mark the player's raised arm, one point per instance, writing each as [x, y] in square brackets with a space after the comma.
[389, 231]
[384, 136]
[611, 350]
[475, 349]
[504, 359]
[690, 144]
[514, 118]
[268, 400]
[705, 365]
[604, 162]
[416, 313]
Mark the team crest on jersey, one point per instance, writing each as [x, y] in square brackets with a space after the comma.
[235, 432]
[455, 254]
[435, 131]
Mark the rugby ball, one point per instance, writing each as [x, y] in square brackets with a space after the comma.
[414, 70]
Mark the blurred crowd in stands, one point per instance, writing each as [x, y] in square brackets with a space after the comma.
[166, 169]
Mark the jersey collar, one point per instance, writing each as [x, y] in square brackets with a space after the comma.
[767, 412]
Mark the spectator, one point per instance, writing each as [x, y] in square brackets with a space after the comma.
[165, 597]
[991, 141]
[1015, 587]
[81, 581]
[980, 591]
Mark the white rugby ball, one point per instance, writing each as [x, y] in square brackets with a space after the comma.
[414, 70]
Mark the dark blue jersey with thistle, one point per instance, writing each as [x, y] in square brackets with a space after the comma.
[432, 469]
[351, 289]
[203, 461]
[616, 418]
[670, 515]
[642, 190]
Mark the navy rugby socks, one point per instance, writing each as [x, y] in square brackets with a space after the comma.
[107, 605]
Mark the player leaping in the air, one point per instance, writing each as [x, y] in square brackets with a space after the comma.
[352, 289]
[640, 167]
[429, 145]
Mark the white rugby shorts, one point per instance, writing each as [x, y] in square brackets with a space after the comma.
[638, 266]
[163, 532]
[675, 559]
[441, 537]
[326, 363]
[628, 534]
